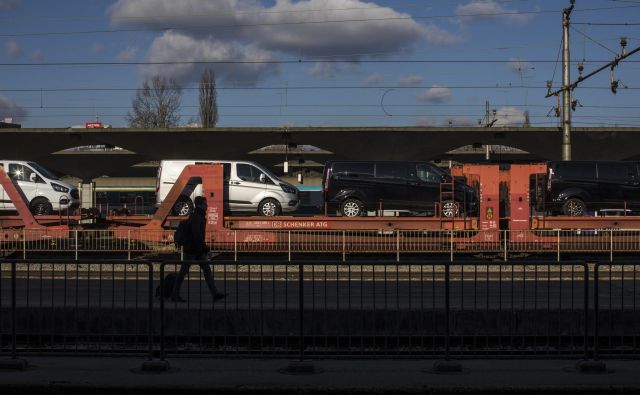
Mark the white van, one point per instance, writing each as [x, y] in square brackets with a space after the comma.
[45, 193]
[249, 187]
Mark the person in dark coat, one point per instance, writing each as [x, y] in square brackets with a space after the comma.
[195, 249]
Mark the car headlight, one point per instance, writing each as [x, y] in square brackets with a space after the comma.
[59, 188]
[288, 189]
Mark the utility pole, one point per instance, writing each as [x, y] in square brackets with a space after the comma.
[566, 81]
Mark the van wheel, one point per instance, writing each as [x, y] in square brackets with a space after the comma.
[40, 206]
[450, 209]
[351, 208]
[269, 208]
[183, 207]
[573, 207]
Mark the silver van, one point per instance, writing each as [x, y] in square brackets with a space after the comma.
[249, 187]
[44, 191]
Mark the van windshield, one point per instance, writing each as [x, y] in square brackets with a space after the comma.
[45, 173]
[268, 173]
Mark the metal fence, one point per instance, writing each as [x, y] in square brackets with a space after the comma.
[393, 244]
[321, 309]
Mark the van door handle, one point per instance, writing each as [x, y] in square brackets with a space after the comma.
[235, 183]
[412, 183]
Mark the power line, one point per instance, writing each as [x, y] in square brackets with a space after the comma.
[266, 24]
[606, 24]
[275, 62]
[593, 40]
[320, 105]
[310, 87]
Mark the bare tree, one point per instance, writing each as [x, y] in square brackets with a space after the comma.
[208, 99]
[156, 104]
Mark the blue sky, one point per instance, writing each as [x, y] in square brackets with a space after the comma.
[316, 62]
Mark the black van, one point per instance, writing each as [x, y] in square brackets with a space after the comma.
[353, 187]
[575, 187]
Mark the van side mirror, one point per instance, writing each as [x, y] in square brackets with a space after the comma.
[33, 177]
[262, 178]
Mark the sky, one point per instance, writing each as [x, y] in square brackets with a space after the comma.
[317, 62]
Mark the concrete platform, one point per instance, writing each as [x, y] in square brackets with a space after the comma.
[74, 375]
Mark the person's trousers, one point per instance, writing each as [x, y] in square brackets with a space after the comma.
[184, 269]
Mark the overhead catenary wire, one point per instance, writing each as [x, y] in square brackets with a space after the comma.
[270, 24]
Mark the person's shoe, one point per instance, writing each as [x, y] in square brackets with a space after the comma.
[219, 296]
[178, 299]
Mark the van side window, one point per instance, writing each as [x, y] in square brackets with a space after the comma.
[249, 173]
[427, 174]
[616, 171]
[391, 170]
[23, 173]
[576, 170]
[353, 169]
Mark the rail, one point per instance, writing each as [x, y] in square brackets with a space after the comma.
[315, 309]
[135, 243]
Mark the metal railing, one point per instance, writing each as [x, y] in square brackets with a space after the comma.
[399, 244]
[316, 309]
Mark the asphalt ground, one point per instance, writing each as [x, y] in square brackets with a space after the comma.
[81, 375]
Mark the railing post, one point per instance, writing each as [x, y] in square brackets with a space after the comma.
[14, 363]
[451, 245]
[610, 245]
[447, 366]
[235, 245]
[593, 366]
[398, 245]
[447, 302]
[558, 244]
[150, 309]
[129, 244]
[150, 365]
[162, 312]
[586, 310]
[300, 366]
[344, 246]
[301, 311]
[76, 244]
[596, 310]
[24, 244]
[14, 337]
[289, 244]
[506, 235]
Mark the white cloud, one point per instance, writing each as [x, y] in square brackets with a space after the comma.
[410, 80]
[509, 116]
[96, 47]
[37, 55]
[324, 70]
[489, 10]
[173, 46]
[424, 121]
[519, 65]
[373, 79]
[13, 49]
[8, 5]
[284, 27]
[128, 54]
[438, 36]
[8, 108]
[435, 94]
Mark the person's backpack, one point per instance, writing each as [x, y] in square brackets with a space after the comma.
[165, 289]
[182, 233]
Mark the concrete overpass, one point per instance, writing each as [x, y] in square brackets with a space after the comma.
[385, 143]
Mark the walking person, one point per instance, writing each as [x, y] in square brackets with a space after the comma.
[195, 249]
